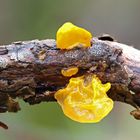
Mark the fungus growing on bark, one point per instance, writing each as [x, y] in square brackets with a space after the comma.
[85, 102]
[69, 71]
[69, 36]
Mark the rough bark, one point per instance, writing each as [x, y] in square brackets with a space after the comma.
[31, 70]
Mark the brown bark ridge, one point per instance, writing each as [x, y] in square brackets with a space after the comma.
[31, 70]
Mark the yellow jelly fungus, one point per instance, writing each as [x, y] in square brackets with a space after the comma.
[69, 72]
[69, 36]
[85, 103]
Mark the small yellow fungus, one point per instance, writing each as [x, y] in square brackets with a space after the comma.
[69, 36]
[69, 72]
[85, 103]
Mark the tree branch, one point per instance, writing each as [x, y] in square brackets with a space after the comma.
[31, 70]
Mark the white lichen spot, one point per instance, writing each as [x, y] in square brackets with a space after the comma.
[3, 62]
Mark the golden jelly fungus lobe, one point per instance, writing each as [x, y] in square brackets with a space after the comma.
[69, 36]
[85, 103]
[69, 72]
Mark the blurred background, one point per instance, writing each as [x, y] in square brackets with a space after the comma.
[40, 19]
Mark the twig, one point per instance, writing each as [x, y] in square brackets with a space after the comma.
[31, 70]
